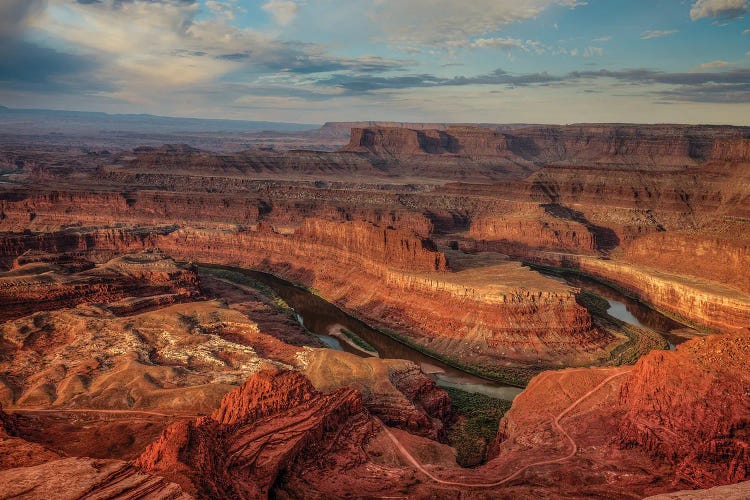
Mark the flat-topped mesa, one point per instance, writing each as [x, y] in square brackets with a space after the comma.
[397, 248]
[344, 128]
[470, 141]
[644, 145]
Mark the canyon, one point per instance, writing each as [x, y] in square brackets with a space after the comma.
[131, 319]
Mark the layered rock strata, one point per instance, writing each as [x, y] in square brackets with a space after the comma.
[698, 301]
[486, 310]
[691, 408]
[45, 283]
[257, 433]
[396, 391]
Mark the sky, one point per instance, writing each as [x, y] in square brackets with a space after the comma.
[311, 61]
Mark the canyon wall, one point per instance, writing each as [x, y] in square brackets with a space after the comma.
[722, 258]
[400, 249]
[731, 150]
[534, 232]
[257, 433]
[489, 314]
[280, 204]
[690, 408]
[487, 311]
[654, 145]
[697, 301]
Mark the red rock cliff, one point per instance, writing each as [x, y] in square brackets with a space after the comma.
[400, 249]
[692, 408]
[259, 431]
[655, 145]
[469, 141]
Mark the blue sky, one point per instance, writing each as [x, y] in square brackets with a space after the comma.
[540, 61]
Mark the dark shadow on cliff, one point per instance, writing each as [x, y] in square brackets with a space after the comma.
[605, 239]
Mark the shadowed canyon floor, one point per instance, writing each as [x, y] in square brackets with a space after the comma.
[181, 323]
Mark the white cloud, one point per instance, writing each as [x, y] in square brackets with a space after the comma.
[14, 14]
[283, 11]
[222, 8]
[746, 32]
[648, 35]
[724, 9]
[593, 51]
[714, 65]
[602, 39]
[145, 49]
[499, 42]
[445, 22]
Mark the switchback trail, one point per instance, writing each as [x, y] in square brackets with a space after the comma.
[555, 423]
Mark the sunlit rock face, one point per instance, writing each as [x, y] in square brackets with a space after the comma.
[130, 367]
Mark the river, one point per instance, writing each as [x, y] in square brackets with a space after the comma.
[323, 318]
[327, 321]
[627, 309]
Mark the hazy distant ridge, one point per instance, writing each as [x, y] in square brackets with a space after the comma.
[65, 120]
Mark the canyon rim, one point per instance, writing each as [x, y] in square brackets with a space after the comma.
[430, 250]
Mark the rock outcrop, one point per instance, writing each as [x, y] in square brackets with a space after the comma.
[739, 491]
[691, 408]
[73, 478]
[257, 433]
[396, 391]
[129, 283]
[181, 357]
[676, 420]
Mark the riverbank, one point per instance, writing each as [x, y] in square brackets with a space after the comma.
[637, 342]
[513, 377]
[562, 271]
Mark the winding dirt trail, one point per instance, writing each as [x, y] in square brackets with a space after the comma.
[555, 423]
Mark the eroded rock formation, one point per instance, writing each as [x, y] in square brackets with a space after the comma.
[691, 408]
[102, 349]
[259, 431]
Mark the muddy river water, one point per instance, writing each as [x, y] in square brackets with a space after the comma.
[328, 322]
[628, 309]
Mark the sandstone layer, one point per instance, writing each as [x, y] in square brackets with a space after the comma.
[486, 310]
[256, 433]
[707, 431]
[113, 355]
